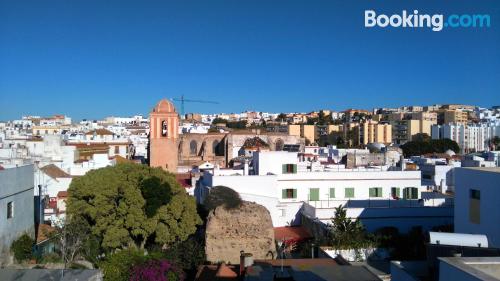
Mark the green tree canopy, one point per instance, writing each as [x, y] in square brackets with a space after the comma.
[422, 145]
[131, 205]
[346, 233]
[222, 195]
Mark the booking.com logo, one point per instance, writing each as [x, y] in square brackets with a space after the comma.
[436, 22]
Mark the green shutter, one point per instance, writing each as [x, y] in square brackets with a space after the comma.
[349, 192]
[379, 192]
[283, 193]
[314, 194]
[395, 192]
[294, 193]
[414, 193]
[332, 192]
[371, 192]
[407, 193]
[294, 168]
[283, 168]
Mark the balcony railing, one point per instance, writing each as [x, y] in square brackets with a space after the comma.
[382, 203]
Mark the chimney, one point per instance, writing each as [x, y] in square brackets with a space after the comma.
[246, 261]
[242, 263]
[245, 168]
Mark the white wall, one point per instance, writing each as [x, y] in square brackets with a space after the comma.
[265, 162]
[487, 181]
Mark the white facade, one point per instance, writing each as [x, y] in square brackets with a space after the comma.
[284, 194]
[271, 162]
[470, 138]
[477, 193]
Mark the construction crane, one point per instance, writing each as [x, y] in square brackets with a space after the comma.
[183, 100]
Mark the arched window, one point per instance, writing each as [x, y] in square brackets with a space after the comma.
[279, 144]
[193, 147]
[215, 147]
[164, 128]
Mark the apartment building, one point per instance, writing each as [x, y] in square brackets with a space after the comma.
[457, 116]
[404, 130]
[374, 132]
[470, 138]
[309, 132]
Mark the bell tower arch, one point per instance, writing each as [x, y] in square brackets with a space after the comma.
[164, 136]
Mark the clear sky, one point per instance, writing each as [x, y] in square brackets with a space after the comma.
[91, 59]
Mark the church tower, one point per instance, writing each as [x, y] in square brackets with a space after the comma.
[163, 136]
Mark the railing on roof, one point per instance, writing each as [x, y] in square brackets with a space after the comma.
[382, 203]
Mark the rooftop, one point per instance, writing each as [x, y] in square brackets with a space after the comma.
[483, 268]
[485, 169]
[54, 172]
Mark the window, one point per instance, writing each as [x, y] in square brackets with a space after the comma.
[475, 206]
[117, 149]
[349, 192]
[313, 194]
[332, 192]
[10, 210]
[279, 145]
[395, 192]
[283, 212]
[193, 147]
[289, 168]
[410, 193]
[375, 191]
[475, 194]
[289, 193]
[215, 145]
[164, 128]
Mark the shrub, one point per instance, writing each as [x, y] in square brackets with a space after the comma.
[51, 258]
[222, 196]
[116, 267]
[156, 270]
[22, 248]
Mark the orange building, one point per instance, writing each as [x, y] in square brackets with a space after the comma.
[164, 136]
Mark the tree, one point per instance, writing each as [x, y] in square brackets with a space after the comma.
[422, 145]
[496, 142]
[281, 117]
[222, 196]
[421, 137]
[346, 233]
[219, 121]
[72, 236]
[131, 205]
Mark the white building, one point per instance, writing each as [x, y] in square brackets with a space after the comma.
[283, 190]
[477, 193]
[470, 138]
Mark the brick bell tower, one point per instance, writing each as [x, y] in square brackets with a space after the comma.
[163, 136]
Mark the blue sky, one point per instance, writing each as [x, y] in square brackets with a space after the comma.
[91, 59]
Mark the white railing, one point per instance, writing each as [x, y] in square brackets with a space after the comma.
[382, 203]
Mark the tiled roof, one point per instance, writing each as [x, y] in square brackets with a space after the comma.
[184, 179]
[100, 132]
[225, 271]
[54, 172]
[62, 194]
[44, 231]
[291, 233]
[255, 142]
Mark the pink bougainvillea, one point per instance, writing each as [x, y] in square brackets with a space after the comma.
[156, 270]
